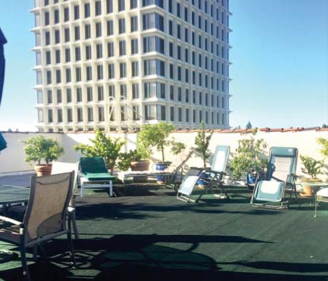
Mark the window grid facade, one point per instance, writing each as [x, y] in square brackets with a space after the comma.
[108, 45]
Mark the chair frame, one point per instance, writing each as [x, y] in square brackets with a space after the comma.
[24, 241]
[85, 183]
[289, 182]
[63, 167]
[215, 180]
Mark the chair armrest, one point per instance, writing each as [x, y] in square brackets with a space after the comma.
[70, 209]
[208, 170]
[12, 221]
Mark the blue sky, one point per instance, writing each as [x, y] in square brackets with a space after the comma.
[279, 65]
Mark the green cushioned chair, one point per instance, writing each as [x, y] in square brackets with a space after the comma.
[94, 174]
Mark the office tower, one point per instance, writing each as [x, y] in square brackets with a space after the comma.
[116, 64]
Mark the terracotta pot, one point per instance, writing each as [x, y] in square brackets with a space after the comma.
[307, 191]
[140, 166]
[43, 170]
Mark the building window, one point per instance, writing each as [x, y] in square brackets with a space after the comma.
[134, 46]
[154, 67]
[110, 49]
[121, 5]
[89, 73]
[79, 95]
[78, 76]
[121, 26]
[135, 68]
[122, 70]
[135, 91]
[153, 20]
[87, 31]
[49, 97]
[76, 12]
[135, 112]
[109, 6]
[100, 74]
[98, 29]
[69, 115]
[133, 4]
[77, 54]
[98, 8]
[111, 71]
[154, 89]
[68, 95]
[90, 114]
[122, 46]
[89, 94]
[123, 92]
[87, 10]
[110, 28]
[79, 115]
[101, 114]
[153, 44]
[88, 52]
[158, 3]
[50, 116]
[99, 51]
[67, 55]
[60, 115]
[134, 24]
[100, 93]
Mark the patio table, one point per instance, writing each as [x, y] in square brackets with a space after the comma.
[11, 194]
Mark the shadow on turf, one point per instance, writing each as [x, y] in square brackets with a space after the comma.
[140, 257]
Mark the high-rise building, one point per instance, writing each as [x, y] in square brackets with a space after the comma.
[112, 64]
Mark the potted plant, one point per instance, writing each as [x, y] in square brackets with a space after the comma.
[248, 160]
[202, 142]
[156, 136]
[312, 168]
[40, 149]
[107, 147]
[136, 161]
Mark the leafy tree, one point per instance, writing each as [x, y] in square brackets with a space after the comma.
[39, 148]
[324, 144]
[107, 147]
[247, 157]
[202, 142]
[324, 126]
[312, 166]
[157, 136]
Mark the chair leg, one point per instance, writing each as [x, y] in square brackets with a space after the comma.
[26, 273]
[73, 220]
[70, 242]
[82, 189]
[111, 188]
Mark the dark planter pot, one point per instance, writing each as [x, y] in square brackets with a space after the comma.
[161, 166]
[202, 181]
[140, 166]
[43, 170]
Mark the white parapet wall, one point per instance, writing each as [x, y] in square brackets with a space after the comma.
[12, 158]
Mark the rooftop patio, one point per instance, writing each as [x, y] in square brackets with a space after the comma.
[146, 233]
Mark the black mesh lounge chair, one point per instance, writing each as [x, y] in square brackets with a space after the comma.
[45, 216]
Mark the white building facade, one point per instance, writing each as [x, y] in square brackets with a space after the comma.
[117, 64]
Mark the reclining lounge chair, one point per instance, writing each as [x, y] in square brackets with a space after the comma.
[94, 174]
[215, 179]
[280, 177]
